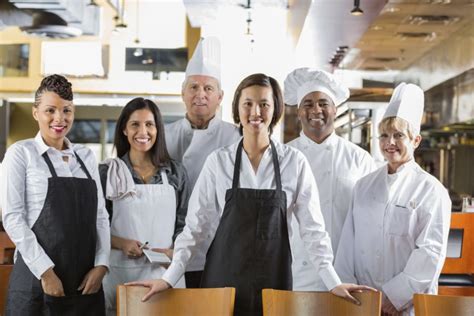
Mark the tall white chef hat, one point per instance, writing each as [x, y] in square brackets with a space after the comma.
[206, 60]
[302, 81]
[407, 102]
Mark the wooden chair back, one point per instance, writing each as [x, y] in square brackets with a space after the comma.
[5, 270]
[280, 303]
[440, 305]
[176, 302]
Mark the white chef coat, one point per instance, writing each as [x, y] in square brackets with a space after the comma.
[395, 234]
[24, 187]
[336, 164]
[191, 147]
[208, 199]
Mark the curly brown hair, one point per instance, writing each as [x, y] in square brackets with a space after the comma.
[57, 84]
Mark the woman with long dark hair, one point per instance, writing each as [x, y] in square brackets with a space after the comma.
[146, 194]
[252, 188]
[53, 210]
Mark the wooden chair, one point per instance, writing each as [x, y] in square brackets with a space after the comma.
[456, 290]
[440, 305]
[7, 248]
[5, 270]
[176, 302]
[464, 264]
[278, 302]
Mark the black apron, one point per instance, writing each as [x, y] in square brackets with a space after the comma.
[67, 230]
[251, 249]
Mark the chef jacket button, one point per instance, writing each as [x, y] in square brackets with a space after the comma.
[305, 263]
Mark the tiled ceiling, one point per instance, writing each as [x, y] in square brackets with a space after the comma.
[407, 29]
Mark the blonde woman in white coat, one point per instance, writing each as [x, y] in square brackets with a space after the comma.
[395, 234]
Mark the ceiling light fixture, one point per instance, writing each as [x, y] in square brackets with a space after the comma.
[137, 21]
[357, 10]
[249, 33]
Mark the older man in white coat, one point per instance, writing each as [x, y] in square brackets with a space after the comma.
[191, 139]
[336, 163]
[395, 234]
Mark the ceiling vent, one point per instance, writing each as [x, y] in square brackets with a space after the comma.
[370, 68]
[47, 24]
[52, 18]
[432, 19]
[426, 36]
[385, 59]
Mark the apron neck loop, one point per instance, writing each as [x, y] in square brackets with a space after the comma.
[53, 172]
[276, 166]
[238, 159]
[83, 166]
[50, 164]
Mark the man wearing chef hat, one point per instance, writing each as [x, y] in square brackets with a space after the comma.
[336, 163]
[395, 234]
[191, 139]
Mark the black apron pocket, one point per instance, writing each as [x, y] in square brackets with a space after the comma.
[269, 222]
[75, 305]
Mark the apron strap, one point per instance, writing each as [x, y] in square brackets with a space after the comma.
[53, 172]
[276, 166]
[164, 177]
[238, 158]
[83, 166]
[50, 164]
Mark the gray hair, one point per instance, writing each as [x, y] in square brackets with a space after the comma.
[185, 82]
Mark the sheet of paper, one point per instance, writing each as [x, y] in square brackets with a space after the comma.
[157, 257]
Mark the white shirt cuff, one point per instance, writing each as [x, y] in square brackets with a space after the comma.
[173, 274]
[40, 266]
[330, 277]
[396, 291]
[101, 260]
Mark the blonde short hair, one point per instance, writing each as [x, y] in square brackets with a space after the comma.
[398, 124]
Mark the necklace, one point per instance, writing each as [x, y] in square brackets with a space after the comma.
[145, 174]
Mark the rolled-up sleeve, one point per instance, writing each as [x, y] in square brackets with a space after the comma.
[311, 224]
[14, 213]
[427, 259]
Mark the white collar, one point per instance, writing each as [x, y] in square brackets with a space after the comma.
[43, 147]
[331, 140]
[212, 124]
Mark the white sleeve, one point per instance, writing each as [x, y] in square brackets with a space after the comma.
[103, 245]
[345, 263]
[203, 210]
[311, 223]
[15, 214]
[427, 259]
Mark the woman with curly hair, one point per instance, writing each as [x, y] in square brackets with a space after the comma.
[53, 210]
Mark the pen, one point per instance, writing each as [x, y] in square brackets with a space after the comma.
[144, 245]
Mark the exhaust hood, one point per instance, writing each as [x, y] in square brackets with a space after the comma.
[52, 18]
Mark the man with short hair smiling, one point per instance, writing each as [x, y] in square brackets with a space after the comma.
[191, 139]
[336, 163]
